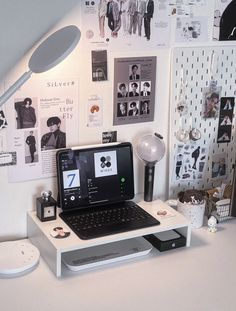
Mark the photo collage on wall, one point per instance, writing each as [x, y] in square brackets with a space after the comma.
[225, 119]
[134, 90]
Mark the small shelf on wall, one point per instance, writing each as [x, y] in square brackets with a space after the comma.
[52, 249]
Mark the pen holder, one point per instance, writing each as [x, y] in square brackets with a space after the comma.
[193, 212]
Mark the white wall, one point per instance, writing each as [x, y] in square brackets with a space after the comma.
[18, 198]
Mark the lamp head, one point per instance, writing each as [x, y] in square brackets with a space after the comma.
[54, 49]
[48, 54]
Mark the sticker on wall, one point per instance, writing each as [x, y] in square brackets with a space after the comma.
[190, 162]
[95, 111]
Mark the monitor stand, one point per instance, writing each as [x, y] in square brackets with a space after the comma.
[105, 254]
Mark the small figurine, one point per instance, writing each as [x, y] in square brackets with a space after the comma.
[212, 224]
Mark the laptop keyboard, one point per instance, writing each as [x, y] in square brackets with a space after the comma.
[116, 219]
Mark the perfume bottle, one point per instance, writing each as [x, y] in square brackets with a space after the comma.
[46, 206]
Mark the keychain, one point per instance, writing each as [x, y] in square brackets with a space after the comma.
[182, 107]
[213, 69]
[182, 135]
[194, 133]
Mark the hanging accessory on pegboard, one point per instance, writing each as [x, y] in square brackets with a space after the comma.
[213, 69]
[182, 106]
[182, 135]
[211, 94]
[194, 133]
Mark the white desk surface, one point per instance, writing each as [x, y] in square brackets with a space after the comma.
[201, 277]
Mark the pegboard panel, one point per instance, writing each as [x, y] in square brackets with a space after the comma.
[195, 67]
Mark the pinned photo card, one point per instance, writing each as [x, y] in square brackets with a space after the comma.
[99, 65]
[211, 102]
[219, 166]
[109, 137]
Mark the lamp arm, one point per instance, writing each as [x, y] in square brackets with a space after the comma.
[14, 87]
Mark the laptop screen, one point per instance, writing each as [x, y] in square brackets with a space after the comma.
[95, 175]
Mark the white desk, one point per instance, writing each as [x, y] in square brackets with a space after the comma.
[201, 277]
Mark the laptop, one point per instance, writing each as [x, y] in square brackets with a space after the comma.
[96, 188]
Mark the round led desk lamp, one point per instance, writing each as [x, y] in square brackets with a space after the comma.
[150, 149]
[48, 54]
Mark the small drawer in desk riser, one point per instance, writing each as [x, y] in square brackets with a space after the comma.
[167, 240]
